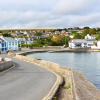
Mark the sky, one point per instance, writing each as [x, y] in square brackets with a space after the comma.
[49, 13]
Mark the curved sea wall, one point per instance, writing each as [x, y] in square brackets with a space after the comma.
[63, 76]
[75, 86]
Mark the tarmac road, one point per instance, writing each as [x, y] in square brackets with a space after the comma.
[25, 82]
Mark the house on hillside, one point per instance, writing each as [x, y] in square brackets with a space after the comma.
[90, 37]
[24, 40]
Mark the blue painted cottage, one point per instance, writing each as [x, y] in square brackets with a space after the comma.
[8, 43]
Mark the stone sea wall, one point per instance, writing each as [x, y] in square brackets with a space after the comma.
[75, 86]
[5, 65]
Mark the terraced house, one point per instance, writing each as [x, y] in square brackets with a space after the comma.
[8, 43]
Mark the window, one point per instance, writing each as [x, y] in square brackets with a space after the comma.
[85, 43]
[9, 43]
[12, 43]
[15, 43]
[89, 44]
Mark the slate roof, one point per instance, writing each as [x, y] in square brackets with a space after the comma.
[9, 39]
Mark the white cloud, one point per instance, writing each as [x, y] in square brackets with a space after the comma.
[53, 13]
[73, 6]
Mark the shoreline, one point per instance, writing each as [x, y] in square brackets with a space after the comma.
[57, 49]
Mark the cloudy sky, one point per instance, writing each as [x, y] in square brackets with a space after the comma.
[49, 13]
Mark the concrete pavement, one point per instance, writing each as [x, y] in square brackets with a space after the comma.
[25, 82]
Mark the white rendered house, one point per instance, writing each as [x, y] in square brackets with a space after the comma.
[96, 46]
[81, 43]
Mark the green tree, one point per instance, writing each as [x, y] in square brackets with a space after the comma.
[86, 31]
[98, 29]
[78, 36]
[38, 34]
[97, 36]
[6, 35]
[60, 40]
[65, 40]
[56, 40]
[92, 31]
[86, 27]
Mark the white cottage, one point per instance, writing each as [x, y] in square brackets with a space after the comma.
[96, 46]
[81, 43]
[90, 37]
[88, 42]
